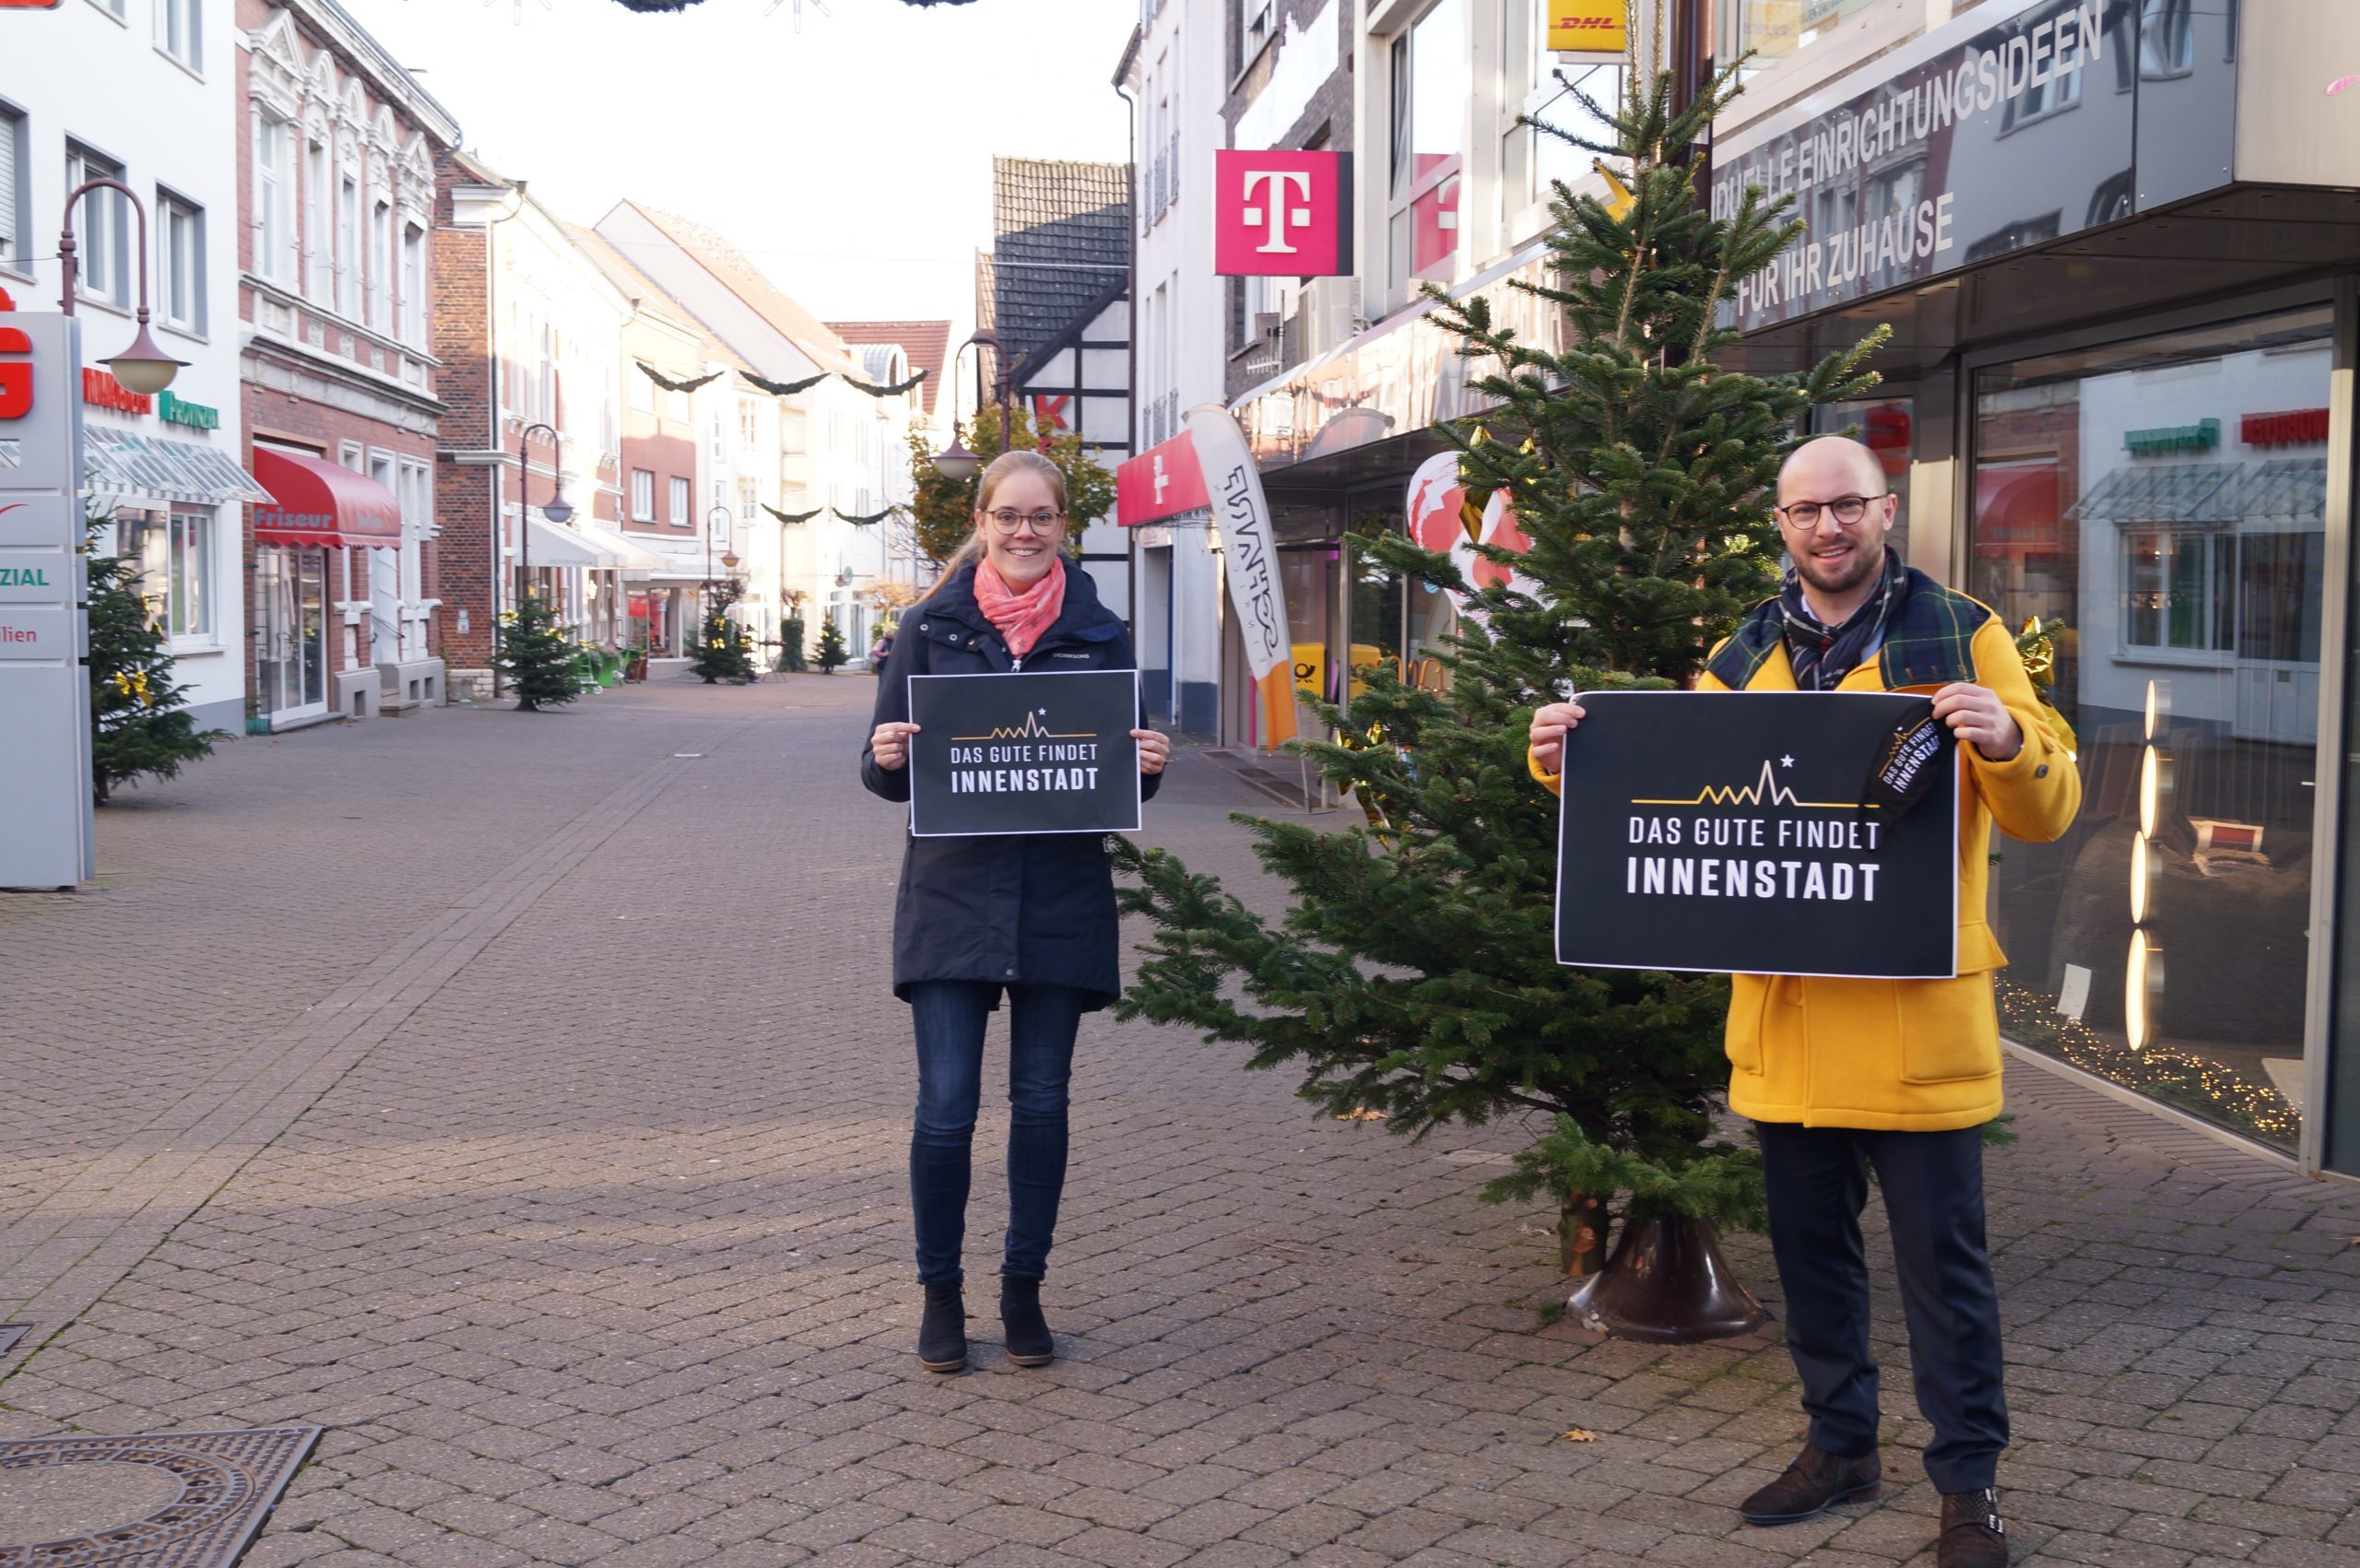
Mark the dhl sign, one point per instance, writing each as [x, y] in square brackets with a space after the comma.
[1589, 27]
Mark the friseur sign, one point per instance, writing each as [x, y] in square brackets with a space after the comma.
[1987, 134]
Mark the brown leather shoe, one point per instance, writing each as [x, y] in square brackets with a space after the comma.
[1973, 1533]
[1815, 1479]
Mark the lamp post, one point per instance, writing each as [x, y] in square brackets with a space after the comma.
[143, 367]
[954, 462]
[720, 512]
[559, 511]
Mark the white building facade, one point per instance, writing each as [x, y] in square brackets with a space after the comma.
[165, 472]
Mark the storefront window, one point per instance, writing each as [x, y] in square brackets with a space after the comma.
[175, 555]
[1776, 28]
[2161, 507]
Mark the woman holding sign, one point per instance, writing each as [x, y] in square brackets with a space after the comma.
[1031, 915]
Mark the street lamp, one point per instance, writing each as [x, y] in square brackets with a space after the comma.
[954, 462]
[559, 511]
[143, 367]
[721, 513]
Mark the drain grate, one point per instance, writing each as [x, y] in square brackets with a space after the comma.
[10, 1333]
[172, 1499]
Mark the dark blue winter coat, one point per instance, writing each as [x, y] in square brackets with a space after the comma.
[1018, 909]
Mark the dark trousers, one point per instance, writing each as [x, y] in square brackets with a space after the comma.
[948, 1016]
[1932, 1185]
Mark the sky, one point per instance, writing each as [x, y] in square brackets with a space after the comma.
[851, 160]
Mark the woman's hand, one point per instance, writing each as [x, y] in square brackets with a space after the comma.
[1155, 750]
[890, 745]
[1551, 724]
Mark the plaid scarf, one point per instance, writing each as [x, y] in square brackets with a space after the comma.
[1822, 655]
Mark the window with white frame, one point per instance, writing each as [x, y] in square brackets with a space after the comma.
[175, 555]
[1530, 159]
[347, 247]
[1429, 83]
[643, 495]
[101, 228]
[180, 31]
[720, 439]
[319, 232]
[14, 197]
[413, 284]
[273, 216]
[747, 499]
[418, 508]
[379, 283]
[746, 421]
[180, 261]
[680, 500]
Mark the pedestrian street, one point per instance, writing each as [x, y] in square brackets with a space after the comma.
[531, 1113]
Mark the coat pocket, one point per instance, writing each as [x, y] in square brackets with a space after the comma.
[1749, 1018]
[1948, 1031]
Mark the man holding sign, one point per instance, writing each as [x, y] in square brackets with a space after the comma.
[1840, 1075]
[1006, 888]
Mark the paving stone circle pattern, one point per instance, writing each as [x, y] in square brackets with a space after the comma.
[519, 1098]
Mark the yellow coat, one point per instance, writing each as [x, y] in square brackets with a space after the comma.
[1912, 1056]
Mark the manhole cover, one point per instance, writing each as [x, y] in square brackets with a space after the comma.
[174, 1500]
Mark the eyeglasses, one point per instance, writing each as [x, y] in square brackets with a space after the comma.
[1008, 521]
[1848, 510]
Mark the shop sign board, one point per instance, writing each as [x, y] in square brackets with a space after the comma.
[1282, 214]
[100, 390]
[2019, 122]
[1025, 752]
[1590, 32]
[2201, 436]
[181, 411]
[2296, 427]
[1163, 481]
[46, 832]
[1739, 832]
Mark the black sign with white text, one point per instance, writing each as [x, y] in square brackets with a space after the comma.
[1024, 753]
[1755, 833]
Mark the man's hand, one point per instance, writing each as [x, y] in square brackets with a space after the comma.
[1155, 749]
[1976, 714]
[890, 745]
[1551, 724]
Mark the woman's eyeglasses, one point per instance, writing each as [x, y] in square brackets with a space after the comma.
[1847, 509]
[1008, 520]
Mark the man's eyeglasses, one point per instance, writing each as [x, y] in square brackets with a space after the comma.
[1847, 510]
[1006, 520]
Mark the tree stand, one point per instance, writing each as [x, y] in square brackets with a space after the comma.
[1667, 1284]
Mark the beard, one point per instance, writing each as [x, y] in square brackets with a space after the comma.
[1841, 576]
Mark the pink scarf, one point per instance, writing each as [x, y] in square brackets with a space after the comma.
[1021, 617]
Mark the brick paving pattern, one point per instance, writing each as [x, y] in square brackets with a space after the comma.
[554, 1161]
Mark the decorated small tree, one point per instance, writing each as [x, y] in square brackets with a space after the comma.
[833, 652]
[791, 633]
[1415, 974]
[140, 720]
[724, 649]
[542, 665]
[943, 508]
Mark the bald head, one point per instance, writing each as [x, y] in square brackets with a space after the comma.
[1828, 466]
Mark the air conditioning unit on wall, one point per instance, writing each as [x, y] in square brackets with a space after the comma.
[1330, 314]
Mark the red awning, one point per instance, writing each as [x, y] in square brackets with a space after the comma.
[318, 503]
[2015, 510]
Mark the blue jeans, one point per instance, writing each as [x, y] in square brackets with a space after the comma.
[948, 1016]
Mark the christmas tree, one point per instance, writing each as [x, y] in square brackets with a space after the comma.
[1415, 974]
[833, 652]
[139, 721]
[724, 649]
[540, 662]
[943, 510]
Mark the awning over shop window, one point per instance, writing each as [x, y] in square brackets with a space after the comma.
[2015, 510]
[2170, 492]
[313, 501]
[2283, 488]
[555, 544]
[118, 466]
[638, 563]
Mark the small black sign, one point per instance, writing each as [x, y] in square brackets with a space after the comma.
[1743, 832]
[1024, 753]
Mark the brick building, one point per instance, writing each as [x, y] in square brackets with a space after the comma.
[336, 148]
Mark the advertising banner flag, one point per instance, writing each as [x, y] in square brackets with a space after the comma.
[1026, 752]
[1234, 486]
[1806, 832]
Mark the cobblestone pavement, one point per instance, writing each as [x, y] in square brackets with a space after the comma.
[519, 1098]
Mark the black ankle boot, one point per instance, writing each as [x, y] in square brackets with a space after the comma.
[1029, 1343]
[942, 1334]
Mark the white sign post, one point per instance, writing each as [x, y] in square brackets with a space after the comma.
[1234, 487]
[47, 836]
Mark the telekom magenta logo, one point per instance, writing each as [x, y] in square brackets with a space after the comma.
[1282, 214]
